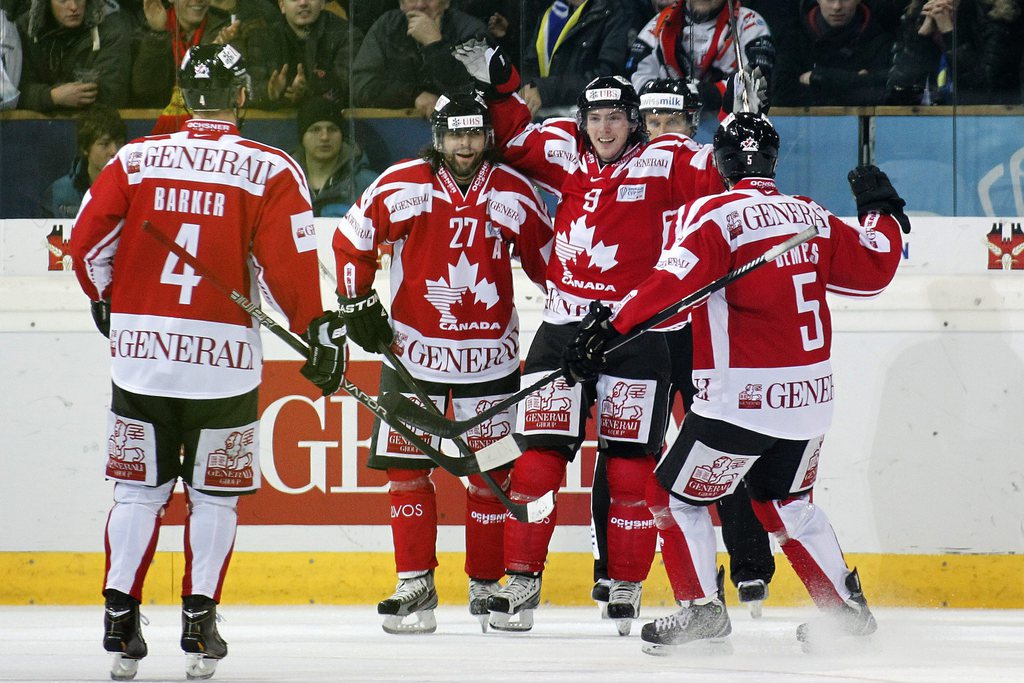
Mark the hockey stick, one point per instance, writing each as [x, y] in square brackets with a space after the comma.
[497, 454]
[458, 466]
[533, 511]
[735, 30]
[415, 415]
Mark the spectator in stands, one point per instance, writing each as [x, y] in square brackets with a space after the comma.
[99, 133]
[504, 19]
[841, 57]
[159, 51]
[306, 53]
[691, 40]
[575, 42]
[76, 53]
[977, 63]
[10, 62]
[336, 169]
[362, 13]
[405, 60]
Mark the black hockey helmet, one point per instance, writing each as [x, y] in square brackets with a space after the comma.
[671, 96]
[746, 145]
[460, 112]
[610, 92]
[210, 76]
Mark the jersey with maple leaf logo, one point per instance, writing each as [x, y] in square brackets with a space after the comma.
[612, 219]
[452, 304]
[242, 208]
[762, 345]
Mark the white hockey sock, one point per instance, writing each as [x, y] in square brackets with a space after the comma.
[132, 529]
[209, 539]
[698, 531]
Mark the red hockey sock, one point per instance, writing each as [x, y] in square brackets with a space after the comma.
[485, 528]
[536, 472]
[413, 519]
[632, 535]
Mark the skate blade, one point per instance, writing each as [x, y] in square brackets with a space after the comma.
[756, 609]
[198, 667]
[422, 622]
[710, 647]
[484, 619]
[624, 626]
[604, 609]
[123, 669]
[512, 623]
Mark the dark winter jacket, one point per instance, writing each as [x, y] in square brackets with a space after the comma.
[52, 53]
[155, 61]
[981, 57]
[326, 55]
[391, 69]
[348, 180]
[596, 46]
[63, 198]
[835, 57]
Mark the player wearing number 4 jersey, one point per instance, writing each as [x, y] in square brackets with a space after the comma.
[761, 366]
[455, 218]
[185, 360]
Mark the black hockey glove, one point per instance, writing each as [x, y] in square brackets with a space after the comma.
[367, 321]
[101, 316]
[325, 366]
[873, 192]
[584, 359]
[488, 64]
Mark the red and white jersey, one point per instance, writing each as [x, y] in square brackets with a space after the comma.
[612, 219]
[761, 345]
[452, 305]
[239, 206]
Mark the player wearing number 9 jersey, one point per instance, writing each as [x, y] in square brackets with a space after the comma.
[185, 360]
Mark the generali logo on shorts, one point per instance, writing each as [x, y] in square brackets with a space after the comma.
[714, 480]
[622, 410]
[125, 460]
[485, 434]
[230, 466]
[549, 408]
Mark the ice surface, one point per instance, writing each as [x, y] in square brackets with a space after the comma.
[330, 643]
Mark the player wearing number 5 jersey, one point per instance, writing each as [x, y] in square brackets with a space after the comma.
[454, 218]
[762, 370]
[186, 360]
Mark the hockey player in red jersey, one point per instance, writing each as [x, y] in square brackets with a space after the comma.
[674, 106]
[762, 371]
[454, 218]
[617, 194]
[185, 360]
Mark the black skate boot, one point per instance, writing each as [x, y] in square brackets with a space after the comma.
[416, 598]
[624, 604]
[753, 594]
[479, 591]
[708, 620]
[200, 640]
[852, 618]
[518, 598]
[122, 634]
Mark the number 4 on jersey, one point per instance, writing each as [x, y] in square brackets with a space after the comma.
[188, 239]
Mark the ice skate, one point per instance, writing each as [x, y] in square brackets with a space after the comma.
[415, 598]
[479, 591]
[518, 598]
[833, 630]
[707, 621]
[753, 594]
[624, 604]
[200, 640]
[599, 594]
[122, 636]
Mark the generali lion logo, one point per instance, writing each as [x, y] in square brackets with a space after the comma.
[489, 431]
[1005, 247]
[711, 481]
[549, 408]
[750, 397]
[231, 464]
[125, 460]
[622, 410]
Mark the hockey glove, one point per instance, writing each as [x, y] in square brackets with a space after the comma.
[873, 192]
[367, 321]
[754, 85]
[325, 366]
[101, 316]
[584, 358]
[488, 64]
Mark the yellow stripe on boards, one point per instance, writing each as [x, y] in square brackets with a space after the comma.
[66, 578]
